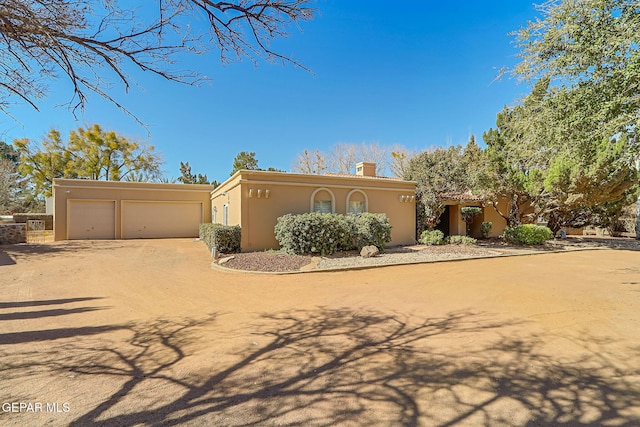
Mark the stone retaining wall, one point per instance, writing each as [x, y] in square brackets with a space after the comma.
[13, 233]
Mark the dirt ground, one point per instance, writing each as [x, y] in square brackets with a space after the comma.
[133, 333]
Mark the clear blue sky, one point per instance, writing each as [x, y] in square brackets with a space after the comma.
[417, 73]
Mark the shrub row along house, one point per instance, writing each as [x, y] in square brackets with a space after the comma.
[85, 209]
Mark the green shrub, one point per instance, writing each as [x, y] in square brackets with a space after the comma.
[468, 214]
[312, 233]
[470, 211]
[460, 240]
[372, 229]
[326, 234]
[432, 237]
[528, 234]
[485, 228]
[226, 239]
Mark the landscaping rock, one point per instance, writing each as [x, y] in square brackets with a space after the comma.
[369, 251]
[225, 260]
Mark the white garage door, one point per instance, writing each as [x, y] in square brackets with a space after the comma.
[147, 220]
[91, 219]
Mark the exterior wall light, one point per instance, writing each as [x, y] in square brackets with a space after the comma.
[250, 192]
[259, 193]
[266, 193]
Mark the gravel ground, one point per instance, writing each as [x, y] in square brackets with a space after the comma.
[405, 255]
[267, 261]
[280, 262]
[274, 262]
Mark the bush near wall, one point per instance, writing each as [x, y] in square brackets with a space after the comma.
[226, 239]
[460, 240]
[372, 229]
[432, 237]
[528, 234]
[326, 234]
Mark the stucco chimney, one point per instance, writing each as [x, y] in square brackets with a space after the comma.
[366, 169]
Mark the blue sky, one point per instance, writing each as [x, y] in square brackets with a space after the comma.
[417, 73]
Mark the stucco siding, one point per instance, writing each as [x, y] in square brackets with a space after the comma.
[71, 193]
[257, 198]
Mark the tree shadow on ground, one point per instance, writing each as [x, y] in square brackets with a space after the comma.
[326, 367]
[11, 254]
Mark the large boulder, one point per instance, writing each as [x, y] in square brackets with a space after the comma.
[369, 251]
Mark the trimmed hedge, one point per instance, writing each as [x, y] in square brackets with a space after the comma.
[528, 234]
[432, 237]
[326, 234]
[372, 229]
[226, 239]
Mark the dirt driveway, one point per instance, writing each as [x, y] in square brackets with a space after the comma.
[133, 333]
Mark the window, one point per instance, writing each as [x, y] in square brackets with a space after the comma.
[225, 215]
[323, 201]
[356, 207]
[214, 215]
[357, 202]
[322, 206]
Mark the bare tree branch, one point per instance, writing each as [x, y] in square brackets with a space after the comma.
[88, 42]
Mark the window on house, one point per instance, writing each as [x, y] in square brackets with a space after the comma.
[214, 215]
[225, 215]
[322, 206]
[356, 207]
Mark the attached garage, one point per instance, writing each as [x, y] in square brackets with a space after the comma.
[86, 209]
[91, 219]
[149, 219]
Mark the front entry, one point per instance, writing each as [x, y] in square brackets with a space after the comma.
[443, 225]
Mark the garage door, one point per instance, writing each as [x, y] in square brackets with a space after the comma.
[147, 220]
[91, 219]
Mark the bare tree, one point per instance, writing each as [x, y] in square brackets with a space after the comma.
[343, 157]
[7, 184]
[91, 42]
[314, 162]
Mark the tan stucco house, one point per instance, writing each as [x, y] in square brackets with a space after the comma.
[255, 199]
[87, 209]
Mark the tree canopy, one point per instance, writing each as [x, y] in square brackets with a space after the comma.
[92, 43]
[439, 174]
[244, 160]
[571, 145]
[586, 53]
[186, 177]
[90, 153]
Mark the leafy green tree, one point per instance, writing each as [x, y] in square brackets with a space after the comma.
[8, 152]
[439, 174]
[589, 51]
[244, 160]
[585, 59]
[187, 177]
[553, 179]
[89, 153]
[508, 172]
